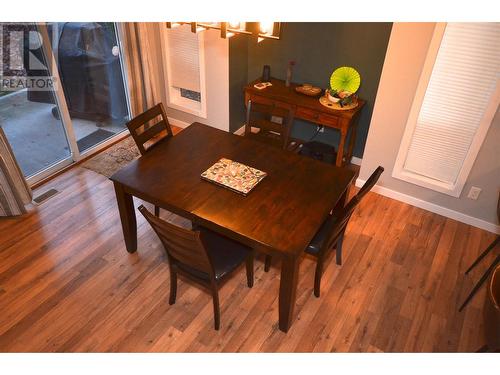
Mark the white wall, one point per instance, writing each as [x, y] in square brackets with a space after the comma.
[404, 60]
[217, 79]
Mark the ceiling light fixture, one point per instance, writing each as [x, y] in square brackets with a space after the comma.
[264, 30]
[269, 30]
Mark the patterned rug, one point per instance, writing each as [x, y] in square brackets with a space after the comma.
[114, 158]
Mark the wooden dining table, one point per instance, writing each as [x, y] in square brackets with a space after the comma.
[278, 217]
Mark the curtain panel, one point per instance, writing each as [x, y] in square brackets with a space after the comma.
[14, 190]
[142, 77]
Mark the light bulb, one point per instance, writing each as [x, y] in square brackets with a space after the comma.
[266, 27]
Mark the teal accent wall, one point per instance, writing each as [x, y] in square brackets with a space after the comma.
[317, 48]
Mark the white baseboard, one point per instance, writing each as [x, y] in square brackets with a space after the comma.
[178, 123]
[440, 210]
[240, 131]
[356, 161]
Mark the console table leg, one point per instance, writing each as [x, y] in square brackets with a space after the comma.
[340, 151]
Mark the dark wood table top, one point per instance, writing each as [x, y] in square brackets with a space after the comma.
[282, 213]
[278, 91]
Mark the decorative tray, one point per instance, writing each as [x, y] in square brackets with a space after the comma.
[308, 90]
[235, 176]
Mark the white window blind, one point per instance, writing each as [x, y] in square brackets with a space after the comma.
[183, 58]
[461, 87]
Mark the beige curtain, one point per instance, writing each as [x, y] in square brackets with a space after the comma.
[139, 48]
[14, 191]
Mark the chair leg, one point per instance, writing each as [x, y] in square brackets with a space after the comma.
[157, 211]
[480, 282]
[249, 266]
[317, 276]
[483, 254]
[173, 286]
[338, 250]
[215, 296]
[267, 263]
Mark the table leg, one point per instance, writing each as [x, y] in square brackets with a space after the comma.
[288, 290]
[340, 151]
[127, 217]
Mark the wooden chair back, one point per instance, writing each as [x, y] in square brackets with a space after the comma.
[260, 116]
[491, 311]
[149, 128]
[338, 224]
[182, 245]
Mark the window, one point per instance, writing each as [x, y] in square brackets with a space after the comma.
[193, 95]
[456, 99]
[184, 57]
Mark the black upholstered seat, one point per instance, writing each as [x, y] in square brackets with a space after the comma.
[321, 236]
[226, 255]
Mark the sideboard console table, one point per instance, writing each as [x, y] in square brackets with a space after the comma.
[310, 109]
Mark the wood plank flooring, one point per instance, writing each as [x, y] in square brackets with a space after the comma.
[67, 284]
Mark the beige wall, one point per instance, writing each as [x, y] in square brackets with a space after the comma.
[217, 78]
[405, 57]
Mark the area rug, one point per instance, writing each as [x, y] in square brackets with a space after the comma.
[114, 158]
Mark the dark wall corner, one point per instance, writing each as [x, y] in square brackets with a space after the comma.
[238, 78]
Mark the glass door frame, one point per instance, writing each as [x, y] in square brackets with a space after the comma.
[75, 154]
[125, 132]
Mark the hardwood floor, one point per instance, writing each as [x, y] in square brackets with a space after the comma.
[67, 284]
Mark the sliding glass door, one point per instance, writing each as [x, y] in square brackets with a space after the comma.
[88, 58]
[63, 94]
[28, 100]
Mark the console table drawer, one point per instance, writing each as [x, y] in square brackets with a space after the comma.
[267, 101]
[314, 116]
[259, 99]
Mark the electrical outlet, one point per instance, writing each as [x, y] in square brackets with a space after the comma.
[277, 120]
[474, 192]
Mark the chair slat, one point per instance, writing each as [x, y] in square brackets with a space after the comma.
[148, 132]
[267, 125]
[151, 132]
[146, 116]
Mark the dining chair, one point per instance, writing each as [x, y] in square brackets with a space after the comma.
[148, 129]
[491, 314]
[481, 256]
[262, 118]
[331, 233]
[202, 255]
